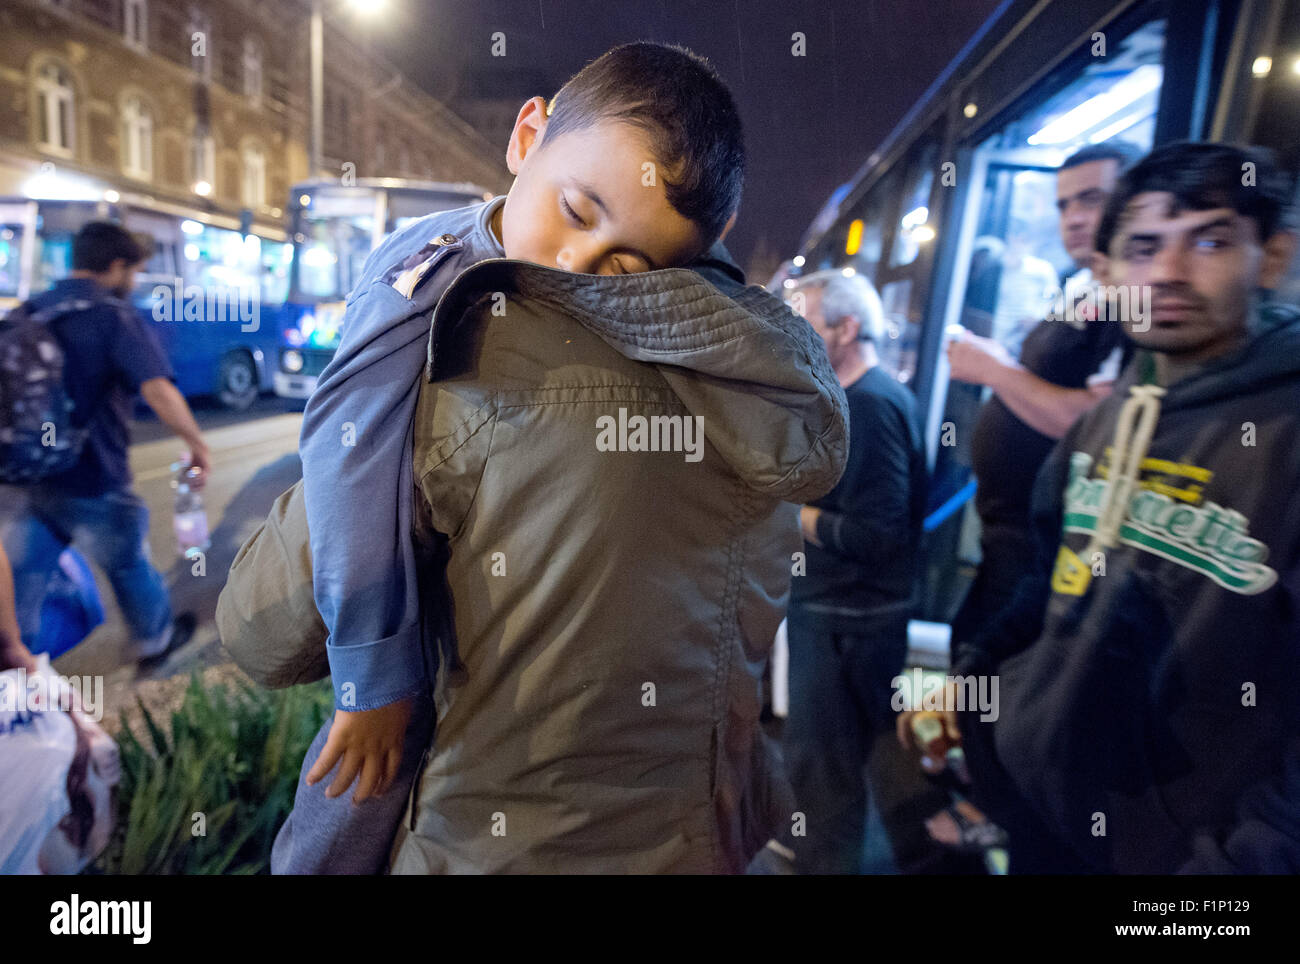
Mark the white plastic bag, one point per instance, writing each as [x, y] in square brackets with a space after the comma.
[57, 772]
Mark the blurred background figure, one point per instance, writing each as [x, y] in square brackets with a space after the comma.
[849, 613]
[109, 356]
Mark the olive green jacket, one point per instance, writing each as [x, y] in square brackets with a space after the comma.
[612, 589]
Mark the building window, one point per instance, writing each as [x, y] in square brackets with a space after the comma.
[204, 163]
[252, 71]
[135, 24]
[254, 177]
[137, 139]
[55, 99]
[202, 49]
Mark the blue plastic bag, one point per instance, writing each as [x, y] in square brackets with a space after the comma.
[72, 607]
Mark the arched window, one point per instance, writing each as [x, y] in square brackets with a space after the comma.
[252, 70]
[254, 177]
[137, 139]
[55, 106]
[135, 24]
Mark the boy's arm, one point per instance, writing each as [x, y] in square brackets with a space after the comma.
[357, 479]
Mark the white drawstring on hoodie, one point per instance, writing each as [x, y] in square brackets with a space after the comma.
[1133, 431]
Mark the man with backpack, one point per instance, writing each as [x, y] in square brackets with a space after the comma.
[72, 361]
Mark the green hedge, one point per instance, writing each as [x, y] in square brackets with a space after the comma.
[232, 757]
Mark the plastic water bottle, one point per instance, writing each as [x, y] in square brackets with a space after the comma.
[189, 519]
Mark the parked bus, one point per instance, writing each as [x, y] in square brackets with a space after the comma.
[213, 293]
[334, 229]
[968, 176]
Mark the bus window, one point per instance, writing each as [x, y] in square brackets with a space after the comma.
[334, 251]
[1017, 261]
[11, 243]
[216, 257]
[913, 227]
[897, 350]
[273, 271]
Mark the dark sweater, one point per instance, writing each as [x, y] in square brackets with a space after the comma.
[870, 525]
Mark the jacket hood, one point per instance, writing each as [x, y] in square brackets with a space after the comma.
[1271, 354]
[733, 353]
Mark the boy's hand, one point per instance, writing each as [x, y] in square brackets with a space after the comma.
[369, 742]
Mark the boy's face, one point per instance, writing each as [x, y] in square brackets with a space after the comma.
[585, 203]
[1202, 268]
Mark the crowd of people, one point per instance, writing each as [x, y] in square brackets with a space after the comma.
[546, 652]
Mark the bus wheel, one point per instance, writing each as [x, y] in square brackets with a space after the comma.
[237, 381]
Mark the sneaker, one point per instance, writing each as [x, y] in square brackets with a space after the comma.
[182, 631]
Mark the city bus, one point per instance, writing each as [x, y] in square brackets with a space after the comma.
[967, 177]
[211, 290]
[335, 226]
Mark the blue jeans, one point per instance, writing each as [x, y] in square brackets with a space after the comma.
[113, 527]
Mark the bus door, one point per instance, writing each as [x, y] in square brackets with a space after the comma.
[1009, 263]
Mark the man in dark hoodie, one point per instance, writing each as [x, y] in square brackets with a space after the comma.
[1149, 667]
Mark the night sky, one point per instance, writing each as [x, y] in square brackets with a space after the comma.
[810, 122]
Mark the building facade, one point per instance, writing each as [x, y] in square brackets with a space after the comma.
[207, 106]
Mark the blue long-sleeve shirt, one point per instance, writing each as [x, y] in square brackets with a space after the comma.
[356, 456]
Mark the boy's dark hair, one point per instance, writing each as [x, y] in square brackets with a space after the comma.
[1201, 177]
[679, 100]
[99, 243]
[1122, 151]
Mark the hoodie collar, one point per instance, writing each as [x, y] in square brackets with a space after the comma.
[734, 354]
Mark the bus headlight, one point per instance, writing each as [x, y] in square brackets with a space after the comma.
[291, 360]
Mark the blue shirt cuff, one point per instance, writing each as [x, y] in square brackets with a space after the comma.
[370, 675]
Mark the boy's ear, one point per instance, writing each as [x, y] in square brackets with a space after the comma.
[530, 125]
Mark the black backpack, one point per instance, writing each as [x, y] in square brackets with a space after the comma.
[37, 437]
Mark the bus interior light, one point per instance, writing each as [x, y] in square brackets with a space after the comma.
[111, 196]
[191, 227]
[1121, 125]
[915, 218]
[1095, 110]
[1261, 66]
[854, 240]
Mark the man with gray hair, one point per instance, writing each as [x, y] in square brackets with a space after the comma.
[849, 611]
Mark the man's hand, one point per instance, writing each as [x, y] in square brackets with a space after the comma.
[369, 742]
[975, 359]
[947, 717]
[200, 466]
[174, 412]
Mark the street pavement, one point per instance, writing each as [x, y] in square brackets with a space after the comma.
[254, 459]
